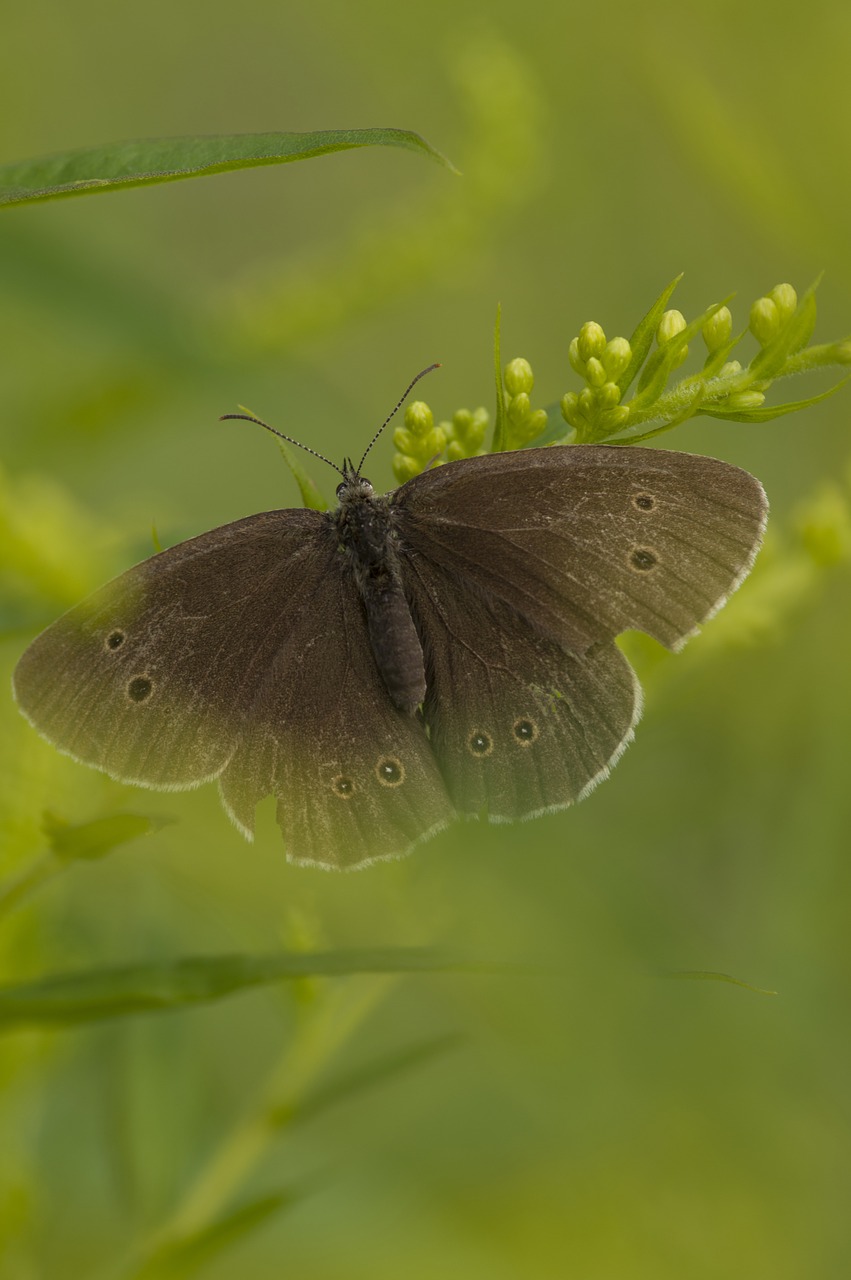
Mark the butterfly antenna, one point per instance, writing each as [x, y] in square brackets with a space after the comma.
[249, 417]
[402, 400]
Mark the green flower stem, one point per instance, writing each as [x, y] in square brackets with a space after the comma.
[822, 356]
[344, 1007]
[678, 403]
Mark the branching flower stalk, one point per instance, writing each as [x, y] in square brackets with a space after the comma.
[781, 323]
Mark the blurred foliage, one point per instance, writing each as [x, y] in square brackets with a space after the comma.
[594, 1119]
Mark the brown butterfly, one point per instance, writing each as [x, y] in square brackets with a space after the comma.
[444, 649]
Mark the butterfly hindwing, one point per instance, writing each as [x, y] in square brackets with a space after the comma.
[355, 777]
[515, 737]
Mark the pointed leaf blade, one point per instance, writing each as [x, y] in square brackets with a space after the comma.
[146, 161]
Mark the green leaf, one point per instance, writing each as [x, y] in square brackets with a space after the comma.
[187, 1254]
[367, 1077]
[645, 331]
[310, 495]
[146, 161]
[707, 975]
[768, 411]
[95, 839]
[66, 999]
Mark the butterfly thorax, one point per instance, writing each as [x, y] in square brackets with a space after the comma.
[364, 523]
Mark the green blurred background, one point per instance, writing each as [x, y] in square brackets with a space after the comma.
[595, 1119]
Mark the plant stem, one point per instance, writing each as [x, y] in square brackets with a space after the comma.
[344, 1007]
[17, 887]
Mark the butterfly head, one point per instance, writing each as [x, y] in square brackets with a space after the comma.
[353, 488]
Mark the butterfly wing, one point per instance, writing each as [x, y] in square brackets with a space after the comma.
[355, 778]
[523, 567]
[242, 654]
[519, 726]
[587, 541]
[149, 678]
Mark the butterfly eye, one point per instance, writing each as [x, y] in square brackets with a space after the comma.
[343, 787]
[139, 688]
[525, 731]
[390, 771]
[479, 743]
[115, 639]
[644, 502]
[643, 559]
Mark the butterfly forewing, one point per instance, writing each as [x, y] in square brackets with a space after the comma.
[589, 541]
[151, 677]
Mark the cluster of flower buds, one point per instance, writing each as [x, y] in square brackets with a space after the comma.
[723, 388]
[524, 423]
[769, 314]
[421, 443]
[781, 323]
[597, 411]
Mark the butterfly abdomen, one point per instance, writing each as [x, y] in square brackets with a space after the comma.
[364, 530]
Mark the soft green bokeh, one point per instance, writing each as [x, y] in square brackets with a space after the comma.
[584, 1116]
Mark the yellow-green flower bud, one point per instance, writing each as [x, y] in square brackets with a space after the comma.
[576, 361]
[519, 377]
[537, 422]
[730, 369]
[612, 419]
[785, 300]
[616, 357]
[519, 409]
[716, 332]
[434, 442]
[466, 432]
[476, 431]
[744, 400]
[672, 323]
[586, 402]
[419, 418]
[592, 340]
[570, 408]
[594, 372]
[405, 468]
[609, 395]
[842, 352]
[404, 440]
[764, 320]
